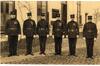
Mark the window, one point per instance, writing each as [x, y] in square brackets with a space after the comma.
[39, 8]
[42, 8]
[55, 12]
[2, 7]
[7, 8]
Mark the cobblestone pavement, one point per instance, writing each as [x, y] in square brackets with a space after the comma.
[50, 58]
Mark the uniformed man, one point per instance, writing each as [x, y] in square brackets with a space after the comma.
[42, 31]
[58, 33]
[29, 30]
[12, 29]
[73, 33]
[90, 34]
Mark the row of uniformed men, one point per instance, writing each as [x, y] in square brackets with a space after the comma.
[59, 29]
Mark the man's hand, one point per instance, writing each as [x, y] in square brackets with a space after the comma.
[34, 36]
[98, 32]
[19, 37]
[53, 36]
[77, 36]
[84, 38]
[6, 36]
[37, 36]
[95, 39]
[23, 36]
[66, 36]
[47, 36]
[63, 36]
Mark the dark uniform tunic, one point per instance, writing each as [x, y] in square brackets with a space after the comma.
[90, 32]
[58, 32]
[12, 29]
[29, 30]
[72, 32]
[42, 31]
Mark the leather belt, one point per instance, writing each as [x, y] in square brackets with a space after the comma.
[42, 28]
[12, 28]
[58, 29]
[90, 31]
[28, 28]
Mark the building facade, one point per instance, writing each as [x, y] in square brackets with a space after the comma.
[6, 8]
[47, 7]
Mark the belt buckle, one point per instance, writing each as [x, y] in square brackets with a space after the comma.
[90, 31]
[29, 28]
[58, 29]
[42, 28]
[12, 28]
[72, 30]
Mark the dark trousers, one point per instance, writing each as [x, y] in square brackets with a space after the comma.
[29, 44]
[72, 46]
[89, 45]
[58, 44]
[13, 40]
[42, 40]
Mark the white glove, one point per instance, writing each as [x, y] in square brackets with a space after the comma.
[6, 36]
[84, 38]
[34, 36]
[77, 36]
[47, 36]
[66, 36]
[37, 36]
[63, 36]
[98, 31]
[19, 37]
[23, 36]
[53, 36]
[95, 39]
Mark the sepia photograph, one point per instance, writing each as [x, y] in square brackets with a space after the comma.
[62, 32]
